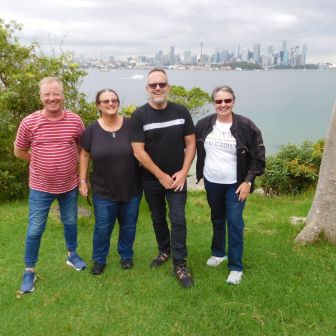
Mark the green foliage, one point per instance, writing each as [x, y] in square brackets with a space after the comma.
[245, 66]
[21, 69]
[128, 110]
[293, 170]
[194, 99]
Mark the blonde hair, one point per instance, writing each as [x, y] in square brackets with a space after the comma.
[48, 80]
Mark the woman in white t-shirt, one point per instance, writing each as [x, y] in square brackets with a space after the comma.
[230, 154]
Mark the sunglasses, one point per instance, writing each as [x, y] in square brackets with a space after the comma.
[226, 101]
[113, 101]
[154, 85]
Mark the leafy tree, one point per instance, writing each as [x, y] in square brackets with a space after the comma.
[21, 69]
[193, 99]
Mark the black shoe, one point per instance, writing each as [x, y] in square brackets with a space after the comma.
[97, 268]
[126, 264]
[183, 276]
[160, 259]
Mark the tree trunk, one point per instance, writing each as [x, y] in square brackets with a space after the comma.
[322, 214]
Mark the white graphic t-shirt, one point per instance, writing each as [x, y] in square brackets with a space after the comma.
[220, 164]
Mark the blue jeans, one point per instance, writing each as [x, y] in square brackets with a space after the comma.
[226, 209]
[156, 196]
[39, 205]
[106, 213]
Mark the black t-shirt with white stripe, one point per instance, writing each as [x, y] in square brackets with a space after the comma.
[162, 132]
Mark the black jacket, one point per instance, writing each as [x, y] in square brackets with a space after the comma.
[250, 147]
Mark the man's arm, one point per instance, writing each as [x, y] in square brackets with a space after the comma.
[146, 161]
[22, 153]
[189, 154]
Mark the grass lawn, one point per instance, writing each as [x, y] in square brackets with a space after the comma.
[286, 289]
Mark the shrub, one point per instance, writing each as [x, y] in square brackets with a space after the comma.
[293, 170]
[21, 68]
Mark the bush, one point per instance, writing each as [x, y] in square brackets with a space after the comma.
[21, 68]
[293, 170]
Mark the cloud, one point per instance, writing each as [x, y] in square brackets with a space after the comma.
[131, 27]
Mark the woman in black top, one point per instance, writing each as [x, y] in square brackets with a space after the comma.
[115, 180]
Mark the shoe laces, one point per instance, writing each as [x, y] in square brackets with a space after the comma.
[163, 256]
[182, 272]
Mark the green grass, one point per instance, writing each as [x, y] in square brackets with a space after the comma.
[286, 290]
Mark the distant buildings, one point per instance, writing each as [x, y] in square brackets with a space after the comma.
[271, 57]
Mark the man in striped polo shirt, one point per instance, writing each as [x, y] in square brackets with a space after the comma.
[48, 140]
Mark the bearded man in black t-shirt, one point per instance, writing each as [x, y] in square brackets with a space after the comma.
[163, 141]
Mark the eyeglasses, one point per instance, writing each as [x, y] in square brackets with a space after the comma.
[226, 101]
[113, 101]
[154, 85]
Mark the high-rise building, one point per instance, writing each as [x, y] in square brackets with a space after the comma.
[187, 57]
[256, 53]
[244, 54]
[224, 57]
[284, 45]
[171, 55]
[237, 52]
[304, 54]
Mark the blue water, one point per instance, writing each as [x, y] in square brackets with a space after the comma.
[289, 106]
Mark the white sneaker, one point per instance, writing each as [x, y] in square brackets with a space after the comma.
[215, 261]
[234, 277]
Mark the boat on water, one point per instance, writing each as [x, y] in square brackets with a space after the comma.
[137, 76]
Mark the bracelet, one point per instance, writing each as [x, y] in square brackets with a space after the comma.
[82, 181]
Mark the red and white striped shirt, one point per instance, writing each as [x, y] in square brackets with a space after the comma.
[54, 155]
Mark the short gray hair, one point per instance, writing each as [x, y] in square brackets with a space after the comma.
[224, 88]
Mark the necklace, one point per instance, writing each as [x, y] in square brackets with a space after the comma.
[111, 129]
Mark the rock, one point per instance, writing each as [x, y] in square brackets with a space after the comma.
[297, 220]
[82, 212]
[192, 185]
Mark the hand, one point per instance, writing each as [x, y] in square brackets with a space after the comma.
[166, 180]
[243, 191]
[84, 188]
[179, 180]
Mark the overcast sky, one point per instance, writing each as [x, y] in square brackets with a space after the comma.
[142, 27]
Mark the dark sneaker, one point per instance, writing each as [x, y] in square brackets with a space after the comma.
[126, 264]
[75, 261]
[161, 258]
[28, 279]
[97, 269]
[183, 276]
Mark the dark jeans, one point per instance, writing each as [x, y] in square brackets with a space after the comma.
[106, 213]
[226, 209]
[175, 241]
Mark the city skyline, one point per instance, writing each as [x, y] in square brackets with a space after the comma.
[132, 28]
[242, 58]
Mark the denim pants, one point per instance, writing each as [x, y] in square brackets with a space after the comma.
[106, 212]
[39, 205]
[174, 242]
[226, 209]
